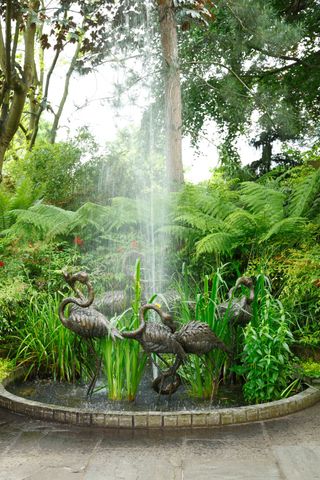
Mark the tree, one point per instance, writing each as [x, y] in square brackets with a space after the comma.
[173, 117]
[188, 10]
[257, 57]
[32, 28]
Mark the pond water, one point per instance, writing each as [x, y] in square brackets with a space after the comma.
[74, 395]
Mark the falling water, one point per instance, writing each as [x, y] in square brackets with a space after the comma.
[151, 200]
[149, 185]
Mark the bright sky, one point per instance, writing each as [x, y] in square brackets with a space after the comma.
[85, 107]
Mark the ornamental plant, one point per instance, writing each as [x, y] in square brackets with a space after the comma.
[266, 359]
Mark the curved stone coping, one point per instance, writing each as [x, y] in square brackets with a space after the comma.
[150, 419]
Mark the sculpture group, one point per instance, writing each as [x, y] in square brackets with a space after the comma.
[155, 337]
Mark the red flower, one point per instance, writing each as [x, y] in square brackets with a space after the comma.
[78, 241]
[2, 264]
[134, 244]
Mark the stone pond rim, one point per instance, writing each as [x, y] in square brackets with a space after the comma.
[148, 419]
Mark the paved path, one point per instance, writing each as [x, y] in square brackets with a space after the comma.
[287, 448]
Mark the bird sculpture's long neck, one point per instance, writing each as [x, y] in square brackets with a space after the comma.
[251, 295]
[81, 302]
[136, 333]
[239, 282]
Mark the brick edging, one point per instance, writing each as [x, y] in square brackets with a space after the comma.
[149, 419]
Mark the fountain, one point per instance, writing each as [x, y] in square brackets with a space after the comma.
[158, 399]
[166, 405]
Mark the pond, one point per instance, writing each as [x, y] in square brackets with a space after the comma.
[74, 395]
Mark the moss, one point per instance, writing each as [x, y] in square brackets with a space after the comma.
[6, 367]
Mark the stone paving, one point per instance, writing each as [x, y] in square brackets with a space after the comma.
[287, 448]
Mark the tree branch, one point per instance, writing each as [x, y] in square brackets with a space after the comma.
[275, 55]
[44, 100]
[2, 51]
[8, 43]
[16, 39]
[57, 116]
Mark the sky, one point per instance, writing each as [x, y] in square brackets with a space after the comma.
[89, 104]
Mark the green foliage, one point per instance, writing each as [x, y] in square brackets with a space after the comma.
[42, 345]
[66, 179]
[6, 367]
[21, 198]
[310, 369]
[250, 219]
[259, 57]
[124, 361]
[27, 271]
[203, 374]
[267, 359]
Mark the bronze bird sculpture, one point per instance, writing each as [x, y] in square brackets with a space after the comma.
[194, 337]
[84, 320]
[158, 338]
[198, 338]
[239, 310]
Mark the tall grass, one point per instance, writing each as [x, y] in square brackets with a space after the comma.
[124, 361]
[43, 345]
[203, 374]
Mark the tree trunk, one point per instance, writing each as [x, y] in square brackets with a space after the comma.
[17, 84]
[173, 105]
[11, 124]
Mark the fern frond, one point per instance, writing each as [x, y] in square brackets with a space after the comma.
[47, 219]
[123, 212]
[219, 242]
[305, 194]
[180, 232]
[199, 220]
[290, 228]
[241, 223]
[259, 198]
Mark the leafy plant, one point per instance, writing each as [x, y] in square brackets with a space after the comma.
[267, 359]
[42, 345]
[124, 361]
[310, 369]
[6, 367]
[203, 374]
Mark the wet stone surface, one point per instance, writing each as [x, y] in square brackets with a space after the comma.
[287, 448]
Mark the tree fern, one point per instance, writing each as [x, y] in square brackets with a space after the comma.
[261, 199]
[289, 229]
[22, 198]
[305, 196]
[218, 242]
[52, 221]
[241, 223]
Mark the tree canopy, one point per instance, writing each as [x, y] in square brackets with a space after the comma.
[255, 67]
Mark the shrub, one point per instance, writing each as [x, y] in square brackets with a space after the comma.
[267, 359]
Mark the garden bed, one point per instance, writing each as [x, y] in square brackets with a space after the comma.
[150, 419]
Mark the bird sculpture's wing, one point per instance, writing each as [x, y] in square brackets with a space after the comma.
[88, 322]
[197, 337]
[158, 338]
[114, 301]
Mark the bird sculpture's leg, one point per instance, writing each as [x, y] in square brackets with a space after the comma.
[163, 360]
[97, 369]
[173, 386]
